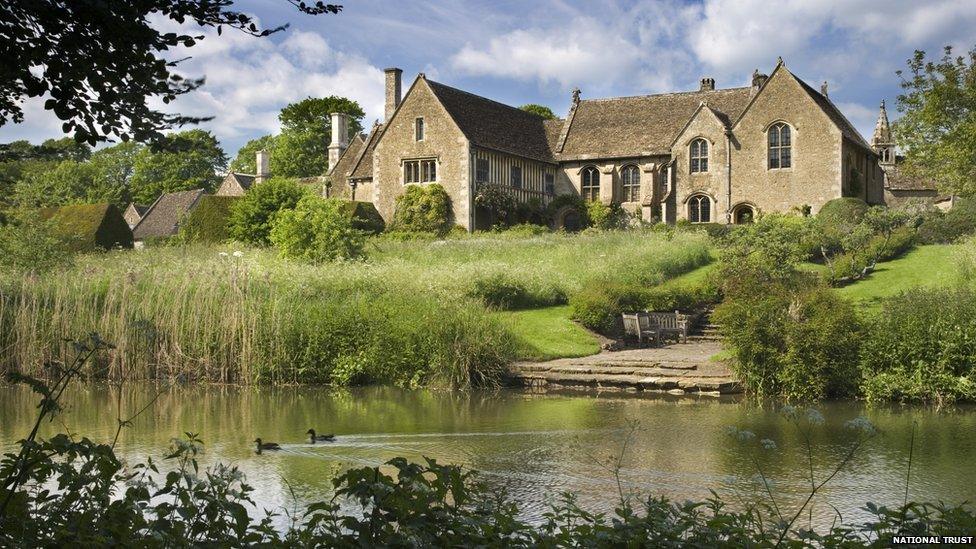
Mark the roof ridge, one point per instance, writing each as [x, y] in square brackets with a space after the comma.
[601, 99]
[532, 114]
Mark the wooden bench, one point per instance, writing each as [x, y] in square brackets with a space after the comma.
[640, 327]
[672, 324]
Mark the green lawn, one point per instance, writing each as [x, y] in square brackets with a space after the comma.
[549, 333]
[925, 266]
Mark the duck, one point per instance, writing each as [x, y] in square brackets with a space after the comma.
[266, 445]
[319, 438]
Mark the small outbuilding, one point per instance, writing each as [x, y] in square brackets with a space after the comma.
[90, 227]
[164, 216]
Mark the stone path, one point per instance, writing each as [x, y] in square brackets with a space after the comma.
[679, 368]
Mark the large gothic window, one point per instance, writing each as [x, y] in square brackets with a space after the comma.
[630, 177]
[699, 209]
[780, 146]
[590, 184]
[699, 156]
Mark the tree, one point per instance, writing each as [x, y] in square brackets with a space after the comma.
[187, 160]
[317, 230]
[116, 166]
[541, 110]
[69, 182]
[302, 148]
[99, 63]
[252, 217]
[938, 128]
[245, 161]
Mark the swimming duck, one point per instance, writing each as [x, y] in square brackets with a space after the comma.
[266, 445]
[319, 438]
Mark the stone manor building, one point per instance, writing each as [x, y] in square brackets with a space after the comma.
[711, 155]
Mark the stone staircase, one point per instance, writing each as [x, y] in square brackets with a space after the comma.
[705, 329]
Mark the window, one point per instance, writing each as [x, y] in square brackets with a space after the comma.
[516, 177]
[699, 156]
[699, 209]
[550, 183]
[780, 146]
[481, 170]
[631, 182]
[590, 184]
[418, 131]
[420, 171]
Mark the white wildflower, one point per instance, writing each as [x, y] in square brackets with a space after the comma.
[861, 424]
[238, 253]
[222, 254]
[814, 417]
[768, 444]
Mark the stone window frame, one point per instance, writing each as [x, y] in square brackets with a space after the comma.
[587, 190]
[631, 188]
[692, 156]
[698, 197]
[791, 147]
[417, 171]
[419, 129]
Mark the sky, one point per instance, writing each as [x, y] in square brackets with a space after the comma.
[538, 51]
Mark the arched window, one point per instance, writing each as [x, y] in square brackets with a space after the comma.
[590, 185]
[699, 209]
[699, 156]
[780, 146]
[631, 182]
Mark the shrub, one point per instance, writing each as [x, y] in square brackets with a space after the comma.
[252, 217]
[501, 291]
[599, 304]
[606, 217]
[364, 217]
[30, 244]
[423, 208]
[841, 211]
[938, 227]
[525, 230]
[90, 227]
[317, 230]
[920, 348]
[209, 220]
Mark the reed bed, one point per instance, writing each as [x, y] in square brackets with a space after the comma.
[409, 315]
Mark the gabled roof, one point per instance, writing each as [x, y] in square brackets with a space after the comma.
[897, 179]
[837, 117]
[643, 124]
[362, 166]
[347, 160]
[165, 214]
[245, 180]
[494, 125]
[721, 118]
[553, 129]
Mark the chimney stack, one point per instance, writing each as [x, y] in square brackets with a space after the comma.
[340, 137]
[392, 91]
[707, 84]
[262, 166]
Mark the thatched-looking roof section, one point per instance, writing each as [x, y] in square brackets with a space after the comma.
[89, 227]
[164, 216]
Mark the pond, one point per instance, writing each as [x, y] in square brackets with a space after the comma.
[534, 445]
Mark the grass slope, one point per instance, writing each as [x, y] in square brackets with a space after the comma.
[548, 333]
[925, 266]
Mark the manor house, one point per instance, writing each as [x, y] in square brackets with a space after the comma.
[713, 155]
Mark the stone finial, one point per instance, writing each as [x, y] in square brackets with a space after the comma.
[823, 88]
[576, 95]
[758, 79]
[779, 61]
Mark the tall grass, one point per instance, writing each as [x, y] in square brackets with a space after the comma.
[407, 316]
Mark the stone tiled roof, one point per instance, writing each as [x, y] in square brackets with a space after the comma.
[494, 125]
[347, 161]
[645, 124]
[837, 117]
[165, 214]
[897, 179]
[243, 179]
[362, 168]
[553, 130]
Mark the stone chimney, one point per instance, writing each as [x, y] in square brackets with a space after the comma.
[707, 84]
[262, 166]
[758, 79]
[340, 137]
[393, 75]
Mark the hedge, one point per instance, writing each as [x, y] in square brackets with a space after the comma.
[90, 227]
[209, 221]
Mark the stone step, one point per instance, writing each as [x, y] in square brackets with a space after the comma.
[698, 384]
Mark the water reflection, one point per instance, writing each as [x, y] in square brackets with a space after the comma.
[536, 446]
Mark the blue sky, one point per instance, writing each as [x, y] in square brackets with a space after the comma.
[536, 52]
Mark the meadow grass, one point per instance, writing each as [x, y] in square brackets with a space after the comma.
[548, 333]
[408, 315]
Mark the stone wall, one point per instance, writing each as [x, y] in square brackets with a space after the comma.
[713, 182]
[569, 178]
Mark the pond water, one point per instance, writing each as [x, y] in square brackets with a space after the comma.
[534, 445]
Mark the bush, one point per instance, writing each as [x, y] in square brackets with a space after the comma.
[317, 230]
[606, 217]
[252, 217]
[209, 220]
[30, 244]
[90, 227]
[423, 208]
[938, 227]
[600, 303]
[501, 291]
[920, 348]
[841, 211]
[524, 230]
[364, 217]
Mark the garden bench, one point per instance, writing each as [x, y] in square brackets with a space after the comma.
[675, 324]
[640, 326]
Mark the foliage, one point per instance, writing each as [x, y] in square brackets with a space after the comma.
[499, 203]
[90, 227]
[937, 129]
[938, 227]
[423, 208]
[302, 147]
[317, 230]
[246, 159]
[541, 110]
[252, 217]
[920, 347]
[843, 211]
[501, 291]
[571, 201]
[208, 221]
[66, 183]
[100, 80]
[116, 166]
[31, 244]
[190, 160]
[606, 217]
[364, 217]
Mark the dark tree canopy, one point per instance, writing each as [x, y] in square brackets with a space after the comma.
[541, 110]
[99, 62]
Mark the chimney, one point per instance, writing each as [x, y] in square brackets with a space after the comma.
[262, 166]
[758, 79]
[340, 137]
[707, 84]
[392, 90]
